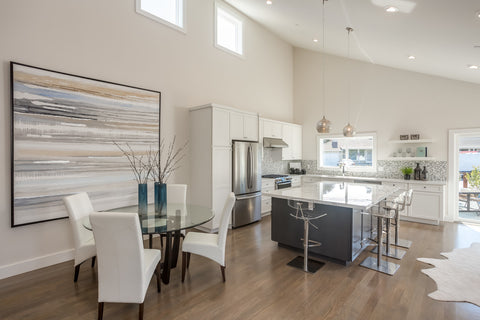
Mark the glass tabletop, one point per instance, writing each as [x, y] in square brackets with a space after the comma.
[174, 217]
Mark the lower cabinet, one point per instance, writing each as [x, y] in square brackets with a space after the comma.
[267, 186]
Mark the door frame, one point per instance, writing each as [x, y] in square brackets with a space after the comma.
[452, 187]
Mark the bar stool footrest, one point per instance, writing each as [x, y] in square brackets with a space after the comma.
[313, 265]
[385, 267]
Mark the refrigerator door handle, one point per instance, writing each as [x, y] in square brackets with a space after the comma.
[249, 167]
[250, 196]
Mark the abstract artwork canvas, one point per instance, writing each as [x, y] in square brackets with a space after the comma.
[63, 133]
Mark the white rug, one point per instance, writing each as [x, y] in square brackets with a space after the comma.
[458, 276]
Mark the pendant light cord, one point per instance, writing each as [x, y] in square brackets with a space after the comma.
[349, 101]
[323, 58]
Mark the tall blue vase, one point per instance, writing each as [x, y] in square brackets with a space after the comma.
[142, 198]
[160, 197]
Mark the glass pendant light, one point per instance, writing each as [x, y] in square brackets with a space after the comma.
[348, 130]
[323, 126]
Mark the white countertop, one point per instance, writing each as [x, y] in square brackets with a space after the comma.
[350, 178]
[342, 194]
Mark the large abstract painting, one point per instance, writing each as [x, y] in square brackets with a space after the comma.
[63, 133]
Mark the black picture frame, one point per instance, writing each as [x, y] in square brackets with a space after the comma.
[66, 114]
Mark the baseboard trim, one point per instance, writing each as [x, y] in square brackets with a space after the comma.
[20, 267]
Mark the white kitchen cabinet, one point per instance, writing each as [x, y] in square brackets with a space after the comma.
[292, 135]
[267, 186]
[272, 129]
[210, 160]
[296, 181]
[243, 126]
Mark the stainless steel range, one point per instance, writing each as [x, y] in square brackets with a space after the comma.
[282, 181]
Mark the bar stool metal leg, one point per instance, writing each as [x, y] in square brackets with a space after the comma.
[388, 251]
[400, 242]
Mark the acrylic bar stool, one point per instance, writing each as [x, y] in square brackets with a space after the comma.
[402, 242]
[306, 214]
[377, 263]
[396, 205]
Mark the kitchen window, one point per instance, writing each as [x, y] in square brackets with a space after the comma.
[357, 153]
[228, 30]
[168, 12]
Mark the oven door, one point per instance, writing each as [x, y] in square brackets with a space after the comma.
[283, 184]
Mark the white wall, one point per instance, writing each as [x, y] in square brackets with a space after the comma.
[386, 100]
[107, 40]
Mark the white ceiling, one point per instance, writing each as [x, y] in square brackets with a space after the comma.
[441, 34]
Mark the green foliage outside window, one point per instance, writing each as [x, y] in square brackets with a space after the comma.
[474, 177]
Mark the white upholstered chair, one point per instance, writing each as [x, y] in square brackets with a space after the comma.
[176, 193]
[209, 245]
[79, 206]
[125, 268]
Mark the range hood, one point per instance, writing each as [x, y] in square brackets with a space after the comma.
[274, 143]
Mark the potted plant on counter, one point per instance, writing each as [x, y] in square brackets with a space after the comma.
[407, 172]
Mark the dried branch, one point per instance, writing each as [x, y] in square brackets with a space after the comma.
[141, 170]
[161, 171]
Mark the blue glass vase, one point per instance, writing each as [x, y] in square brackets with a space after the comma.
[142, 198]
[160, 197]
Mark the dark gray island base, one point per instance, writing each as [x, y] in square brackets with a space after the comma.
[343, 232]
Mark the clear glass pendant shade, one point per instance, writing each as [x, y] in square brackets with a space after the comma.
[323, 126]
[349, 130]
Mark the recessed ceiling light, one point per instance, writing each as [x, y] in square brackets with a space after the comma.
[391, 9]
[472, 66]
[411, 57]
[315, 40]
[269, 2]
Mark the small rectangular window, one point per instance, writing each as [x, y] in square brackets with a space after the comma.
[356, 153]
[228, 30]
[168, 12]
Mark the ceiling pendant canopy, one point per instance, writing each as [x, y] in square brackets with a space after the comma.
[323, 126]
[348, 130]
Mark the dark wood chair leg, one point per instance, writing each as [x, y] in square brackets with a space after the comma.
[77, 270]
[100, 310]
[93, 261]
[161, 240]
[184, 265]
[222, 268]
[140, 311]
[157, 274]
[188, 260]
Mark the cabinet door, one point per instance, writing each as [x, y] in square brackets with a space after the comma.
[272, 129]
[221, 181]
[236, 126]
[250, 127]
[297, 142]
[426, 205]
[221, 128]
[287, 133]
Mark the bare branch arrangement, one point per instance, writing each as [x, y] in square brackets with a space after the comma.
[162, 169]
[141, 165]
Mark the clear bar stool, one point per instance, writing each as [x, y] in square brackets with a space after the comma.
[377, 263]
[396, 205]
[402, 242]
[305, 211]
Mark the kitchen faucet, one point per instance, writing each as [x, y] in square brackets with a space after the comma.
[342, 166]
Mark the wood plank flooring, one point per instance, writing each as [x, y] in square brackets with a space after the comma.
[259, 285]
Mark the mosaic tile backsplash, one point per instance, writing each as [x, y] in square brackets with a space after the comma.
[272, 163]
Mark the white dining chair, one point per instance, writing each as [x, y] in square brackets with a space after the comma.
[125, 268]
[78, 206]
[176, 193]
[209, 245]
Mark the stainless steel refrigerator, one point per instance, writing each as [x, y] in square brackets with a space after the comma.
[246, 182]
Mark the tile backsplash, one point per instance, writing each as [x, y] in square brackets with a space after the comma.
[272, 163]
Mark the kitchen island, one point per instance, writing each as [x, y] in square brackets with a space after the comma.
[343, 232]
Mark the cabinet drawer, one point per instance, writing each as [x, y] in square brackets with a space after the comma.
[266, 183]
[426, 187]
[400, 185]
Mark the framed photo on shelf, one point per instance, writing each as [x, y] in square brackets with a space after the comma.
[404, 137]
[414, 137]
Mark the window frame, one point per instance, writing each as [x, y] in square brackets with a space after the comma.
[183, 28]
[373, 168]
[236, 16]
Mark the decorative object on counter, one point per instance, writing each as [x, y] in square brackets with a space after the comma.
[404, 137]
[407, 172]
[473, 178]
[421, 152]
[417, 172]
[141, 168]
[414, 137]
[348, 130]
[163, 168]
[323, 126]
[424, 173]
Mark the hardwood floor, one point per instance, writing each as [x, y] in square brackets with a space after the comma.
[259, 285]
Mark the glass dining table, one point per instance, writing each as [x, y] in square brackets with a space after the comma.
[172, 219]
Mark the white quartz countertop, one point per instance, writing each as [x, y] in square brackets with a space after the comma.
[342, 194]
[350, 178]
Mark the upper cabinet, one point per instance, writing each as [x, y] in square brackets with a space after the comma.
[272, 129]
[292, 135]
[243, 126]
[221, 128]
